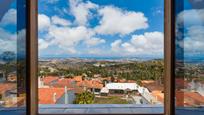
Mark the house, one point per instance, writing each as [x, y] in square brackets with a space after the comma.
[121, 88]
[153, 91]
[104, 91]
[94, 86]
[47, 81]
[55, 96]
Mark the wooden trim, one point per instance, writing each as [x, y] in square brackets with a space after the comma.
[169, 55]
[32, 57]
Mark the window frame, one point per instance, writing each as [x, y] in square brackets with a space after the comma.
[32, 58]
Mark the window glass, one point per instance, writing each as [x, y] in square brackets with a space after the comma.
[101, 53]
[12, 57]
[189, 56]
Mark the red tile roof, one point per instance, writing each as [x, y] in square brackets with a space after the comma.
[181, 83]
[90, 84]
[46, 95]
[159, 95]
[64, 82]
[78, 78]
[151, 85]
[189, 99]
[6, 87]
[47, 80]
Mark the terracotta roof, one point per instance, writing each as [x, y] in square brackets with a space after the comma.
[78, 78]
[78, 90]
[181, 83]
[64, 82]
[45, 95]
[189, 99]
[159, 95]
[131, 81]
[47, 80]
[151, 85]
[6, 87]
[90, 84]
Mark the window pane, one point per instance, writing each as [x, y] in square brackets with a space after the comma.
[189, 57]
[12, 57]
[101, 56]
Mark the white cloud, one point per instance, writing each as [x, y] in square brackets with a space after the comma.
[118, 21]
[68, 38]
[94, 41]
[65, 37]
[43, 22]
[190, 36]
[193, 41]
[151, 43]
[10, 17]
[81, 11]
[42, 44]
[6, 45]
[7, 41]
[115, 46]
[189, 18]
[60, 21]
[5, 35]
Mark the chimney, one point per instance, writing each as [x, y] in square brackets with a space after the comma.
[66, 95]
[54, 97]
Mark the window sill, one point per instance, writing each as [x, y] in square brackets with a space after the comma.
[100, 109]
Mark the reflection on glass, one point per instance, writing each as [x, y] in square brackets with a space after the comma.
[189, 53]
[101, 52]
[12, 55]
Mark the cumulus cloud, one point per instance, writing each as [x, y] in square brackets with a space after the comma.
[43, 22]
[7, 41]
[115, 46]
[68, 38]
[189, 18]
[149, 43]
[193, 41]
[60, 21]
[81, 10]
[42, 44]
[64, 36]
[191, 36]
[5, 35]
[9, 18]
[94, 41]
[117, 21]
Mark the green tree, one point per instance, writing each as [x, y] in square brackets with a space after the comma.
[84, 98]
[7, 57]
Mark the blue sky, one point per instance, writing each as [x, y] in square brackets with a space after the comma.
[106, 28]
[92, 28]
[101, 28]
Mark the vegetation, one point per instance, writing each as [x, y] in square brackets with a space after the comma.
[9, 58]
[135, 70]
[84, 98]
[110, 100]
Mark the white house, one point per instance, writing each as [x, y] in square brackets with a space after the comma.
[121, 87]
